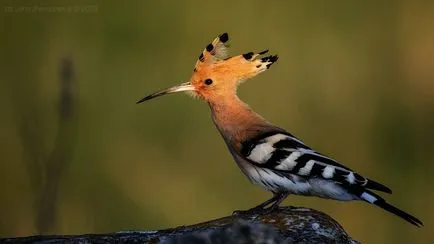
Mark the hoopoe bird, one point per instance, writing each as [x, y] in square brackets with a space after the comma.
[269, 155]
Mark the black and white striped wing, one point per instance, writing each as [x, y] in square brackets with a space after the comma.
[283, 152]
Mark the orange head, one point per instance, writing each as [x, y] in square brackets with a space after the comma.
[216, 75]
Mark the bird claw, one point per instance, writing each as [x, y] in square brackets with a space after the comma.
[255, 210]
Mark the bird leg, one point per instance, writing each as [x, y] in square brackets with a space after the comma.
[264, 204]
[275, 200]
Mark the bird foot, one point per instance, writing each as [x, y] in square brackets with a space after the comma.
[256, 210]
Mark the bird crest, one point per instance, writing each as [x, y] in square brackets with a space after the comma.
[215, 51]
[216, 75]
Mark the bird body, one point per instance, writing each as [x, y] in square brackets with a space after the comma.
[268, 155]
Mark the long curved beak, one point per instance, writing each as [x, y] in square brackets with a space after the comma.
[187, 86]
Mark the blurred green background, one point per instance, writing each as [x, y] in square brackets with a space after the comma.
[355, 80]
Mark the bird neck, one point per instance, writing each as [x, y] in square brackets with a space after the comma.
[235, 120]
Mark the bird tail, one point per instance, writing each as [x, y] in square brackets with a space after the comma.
[377, 186]
[373, 198]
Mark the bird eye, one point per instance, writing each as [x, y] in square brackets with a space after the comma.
[208, 82]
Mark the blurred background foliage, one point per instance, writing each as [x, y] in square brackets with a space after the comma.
[355, 80]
